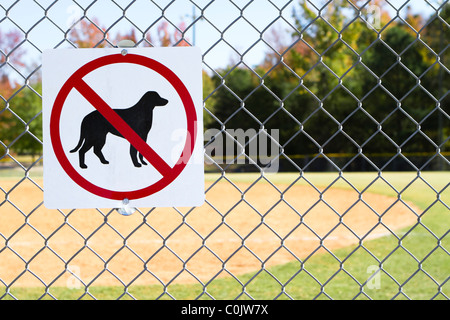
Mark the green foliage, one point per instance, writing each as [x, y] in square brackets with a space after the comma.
[21, 121]
[343, 86]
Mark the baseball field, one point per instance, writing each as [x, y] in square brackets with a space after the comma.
[285, 235]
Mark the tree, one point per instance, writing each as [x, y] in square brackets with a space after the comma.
[88, 34]
[6, 88]
[341, 85]
[436, 80]
[436, 34]
[23, 130]
[11, 52]
[165, 38]
[20, 123]
[325, 61]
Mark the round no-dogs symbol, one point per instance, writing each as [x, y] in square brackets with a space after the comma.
[132, 124]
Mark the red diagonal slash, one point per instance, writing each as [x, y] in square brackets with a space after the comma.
[125, 130]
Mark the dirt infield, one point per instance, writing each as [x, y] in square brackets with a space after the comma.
[231, 231]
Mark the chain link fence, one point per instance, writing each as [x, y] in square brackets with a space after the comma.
[352, 203]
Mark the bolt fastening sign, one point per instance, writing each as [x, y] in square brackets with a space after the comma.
[123, 125]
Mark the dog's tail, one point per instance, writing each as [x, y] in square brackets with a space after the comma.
[80, 143]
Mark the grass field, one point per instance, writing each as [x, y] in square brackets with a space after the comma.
[415, 260]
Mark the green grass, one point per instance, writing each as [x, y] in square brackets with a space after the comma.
[418, 269]
[17, 172]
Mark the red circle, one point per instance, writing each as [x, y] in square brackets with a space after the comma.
[176, 83]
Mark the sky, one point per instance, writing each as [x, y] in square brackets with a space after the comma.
[218, 15]
[212, 34]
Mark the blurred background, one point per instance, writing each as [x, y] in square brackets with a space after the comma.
[350, 85]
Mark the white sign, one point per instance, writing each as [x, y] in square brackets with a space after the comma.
[123, 126]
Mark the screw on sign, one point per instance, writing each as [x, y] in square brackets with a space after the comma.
[134, 123]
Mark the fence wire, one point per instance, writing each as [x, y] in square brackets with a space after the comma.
[47, 253]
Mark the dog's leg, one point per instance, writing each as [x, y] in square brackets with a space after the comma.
[133, 154]
[98, 146]
[99, 154]
[81, 155]
[141, 157]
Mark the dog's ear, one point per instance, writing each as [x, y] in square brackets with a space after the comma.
[148, 98]
[151, 96]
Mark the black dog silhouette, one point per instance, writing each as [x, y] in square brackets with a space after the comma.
[95, 127]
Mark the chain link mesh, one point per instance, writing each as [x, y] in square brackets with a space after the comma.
[43, 251]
